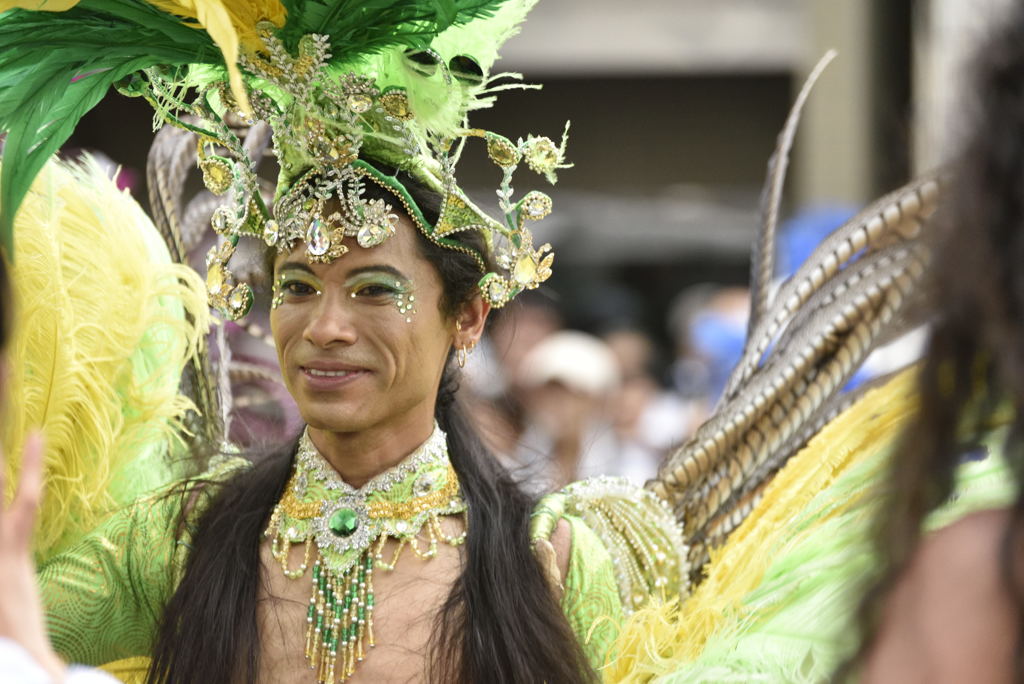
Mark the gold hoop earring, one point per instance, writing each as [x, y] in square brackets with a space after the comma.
[461, 355]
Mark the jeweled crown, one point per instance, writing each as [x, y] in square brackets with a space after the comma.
[328, 123]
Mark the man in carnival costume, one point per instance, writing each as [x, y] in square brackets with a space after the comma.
[385, 544]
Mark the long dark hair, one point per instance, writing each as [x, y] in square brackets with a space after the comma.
[500, 622]
[975, 358]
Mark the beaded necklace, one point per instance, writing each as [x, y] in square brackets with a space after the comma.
[344, 531]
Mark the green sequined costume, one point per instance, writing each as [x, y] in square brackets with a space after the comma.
[104, 596]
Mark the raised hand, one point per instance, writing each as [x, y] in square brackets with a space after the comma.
[21, 611]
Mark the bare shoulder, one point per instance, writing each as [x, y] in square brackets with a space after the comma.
[949, 617]
[980, 532]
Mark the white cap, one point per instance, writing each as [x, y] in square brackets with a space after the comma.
[579, 361]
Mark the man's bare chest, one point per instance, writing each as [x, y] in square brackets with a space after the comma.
[407, 600]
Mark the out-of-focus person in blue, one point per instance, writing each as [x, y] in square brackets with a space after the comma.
[708, 324]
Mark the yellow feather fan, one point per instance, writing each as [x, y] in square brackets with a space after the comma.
[100, 338]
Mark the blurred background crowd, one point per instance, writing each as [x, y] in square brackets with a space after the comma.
[675, 106]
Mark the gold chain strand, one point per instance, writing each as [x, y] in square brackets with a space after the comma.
[280, 547]
[431, 545]
[456, 540]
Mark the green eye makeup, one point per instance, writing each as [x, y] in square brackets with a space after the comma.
[385, 285]
[293, 284]
[296, 284]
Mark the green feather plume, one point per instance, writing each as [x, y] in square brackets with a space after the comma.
[362, 27]
[56, 66]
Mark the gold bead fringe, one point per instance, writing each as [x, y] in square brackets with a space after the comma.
[340, 620]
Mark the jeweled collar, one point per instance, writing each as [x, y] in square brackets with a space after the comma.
[311, 464]
[344, 521]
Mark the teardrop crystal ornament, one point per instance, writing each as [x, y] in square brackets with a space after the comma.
[317, 240]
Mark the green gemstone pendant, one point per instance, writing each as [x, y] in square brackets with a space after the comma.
[344, 522]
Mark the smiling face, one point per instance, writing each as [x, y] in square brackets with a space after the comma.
[362, 341]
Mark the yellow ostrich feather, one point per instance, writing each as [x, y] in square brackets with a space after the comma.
[662, 638]
[227, 17]
[101, 336]
[231, 25]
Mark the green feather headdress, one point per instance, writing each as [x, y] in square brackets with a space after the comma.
[339, 83]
